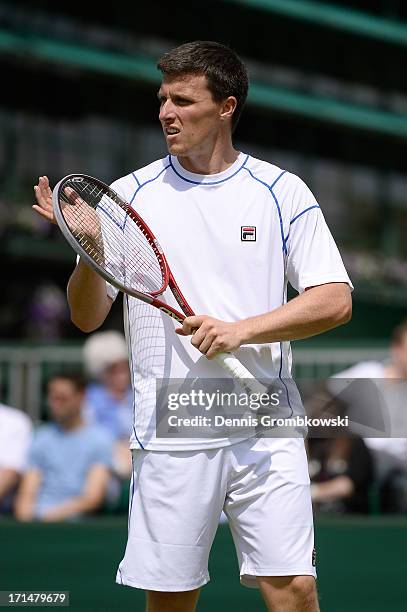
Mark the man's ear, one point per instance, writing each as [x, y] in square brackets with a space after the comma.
[228, 108]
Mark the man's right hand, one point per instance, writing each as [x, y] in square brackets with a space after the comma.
[87, 295]
[91, 234]
[43, 195]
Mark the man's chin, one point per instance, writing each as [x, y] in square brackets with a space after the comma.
[176, 149]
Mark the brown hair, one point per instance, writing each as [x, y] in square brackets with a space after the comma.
[77, 379]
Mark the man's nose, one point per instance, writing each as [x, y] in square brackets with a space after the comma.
[167, 111]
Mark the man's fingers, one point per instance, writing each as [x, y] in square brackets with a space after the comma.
[39, 196]
[44, 184]
[210, 336]
[185, 330]
[205, 345]
[191, 324]
[180, 332]
[212, 351]
[44, 213]
[197, 338]
[43, 195]
[73, 197]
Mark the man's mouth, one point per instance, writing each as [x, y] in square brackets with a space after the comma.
[171, 131]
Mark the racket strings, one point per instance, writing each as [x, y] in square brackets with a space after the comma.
[100, 223]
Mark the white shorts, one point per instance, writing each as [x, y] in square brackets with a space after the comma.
[176, 499]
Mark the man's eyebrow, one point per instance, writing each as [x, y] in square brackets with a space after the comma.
[177, 96]
[184, 96]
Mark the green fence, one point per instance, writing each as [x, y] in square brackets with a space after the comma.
[24, 369]
[361, 566]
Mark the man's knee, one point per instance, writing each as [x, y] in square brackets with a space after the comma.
[289, 592]
[303, 589]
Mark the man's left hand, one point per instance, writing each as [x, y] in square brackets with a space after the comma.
[212, 336]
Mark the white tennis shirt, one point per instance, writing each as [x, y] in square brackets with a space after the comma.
[232, 240]
[15, 438]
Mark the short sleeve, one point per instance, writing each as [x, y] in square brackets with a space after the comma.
[312, 255]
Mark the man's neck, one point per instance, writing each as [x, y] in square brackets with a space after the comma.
[72, 424]
[118, 393]
[213, 162]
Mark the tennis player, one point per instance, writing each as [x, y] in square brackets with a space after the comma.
[235, 230]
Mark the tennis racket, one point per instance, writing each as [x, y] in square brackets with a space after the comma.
[101, 227]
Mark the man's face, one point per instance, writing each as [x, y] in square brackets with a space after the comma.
[189, 116]
[64, 400]
[117, 376]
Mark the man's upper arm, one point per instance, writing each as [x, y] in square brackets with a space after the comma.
[31, 482]
[332, 300]
[340, 292]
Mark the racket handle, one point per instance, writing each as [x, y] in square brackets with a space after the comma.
[237, 370]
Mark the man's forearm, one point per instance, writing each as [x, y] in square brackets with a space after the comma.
[87, 298]
[315, 311]
[71, 508]
[339, 487]
[27, 495]
[24, 507]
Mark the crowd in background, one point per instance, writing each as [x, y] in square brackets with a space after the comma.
[366, 470]
[79, 462]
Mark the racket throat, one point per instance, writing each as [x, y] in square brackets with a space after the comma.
[180, 299]
[168, 310]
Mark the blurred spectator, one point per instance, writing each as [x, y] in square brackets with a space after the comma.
[68, 468]
[341, 473]
[15, 437]
[47, 313]
[109, 399]
[375, 396]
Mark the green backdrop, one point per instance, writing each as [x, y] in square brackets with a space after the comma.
[361, 565]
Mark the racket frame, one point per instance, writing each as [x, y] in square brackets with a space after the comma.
[149, 298]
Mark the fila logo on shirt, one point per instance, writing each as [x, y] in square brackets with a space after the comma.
[248, 233]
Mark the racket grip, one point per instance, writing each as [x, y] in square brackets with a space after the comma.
[238, 371]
